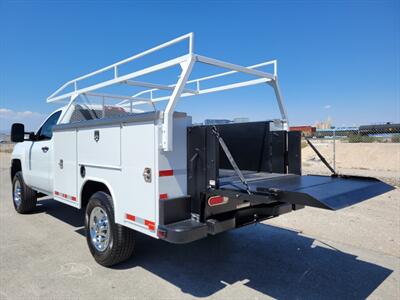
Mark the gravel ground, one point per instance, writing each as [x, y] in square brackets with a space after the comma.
[309, 254]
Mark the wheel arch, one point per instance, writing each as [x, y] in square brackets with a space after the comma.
[20, 161]
[16, 166]
[91, 186]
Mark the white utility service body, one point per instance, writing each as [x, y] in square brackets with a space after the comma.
[118, 158]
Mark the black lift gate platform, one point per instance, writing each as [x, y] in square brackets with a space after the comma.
[329, 192]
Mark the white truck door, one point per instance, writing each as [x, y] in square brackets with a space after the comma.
[40, 165]
[65, 167]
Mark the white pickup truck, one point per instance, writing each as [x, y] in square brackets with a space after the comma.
[154, 172]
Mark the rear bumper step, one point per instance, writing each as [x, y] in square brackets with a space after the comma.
[190, 230]
[185, 231]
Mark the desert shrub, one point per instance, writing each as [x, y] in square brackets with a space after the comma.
[355, 138]
[395, 138]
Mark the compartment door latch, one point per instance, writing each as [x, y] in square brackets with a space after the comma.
[147, 174]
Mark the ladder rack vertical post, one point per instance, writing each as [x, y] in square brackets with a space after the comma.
[167, 127]
[191, 38]
[72, 99]
[281, 104]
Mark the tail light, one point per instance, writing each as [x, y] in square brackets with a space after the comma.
[217, 200]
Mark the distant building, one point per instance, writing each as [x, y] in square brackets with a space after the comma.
[388, 128]
[241, 120]
[225, 121]
[216, 121]
[324, 125]
[306, 130]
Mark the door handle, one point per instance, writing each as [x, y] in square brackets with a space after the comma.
[45, 149]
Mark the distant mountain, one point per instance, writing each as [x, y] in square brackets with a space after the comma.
[5, 131]
[4, 137]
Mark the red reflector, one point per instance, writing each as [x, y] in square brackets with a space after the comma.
[162, 234]
[151, 225]
[130, 217]
[217, 200]
[57, 193]
[73, 198]
[65, 195]
[163, 196]
[163, 173]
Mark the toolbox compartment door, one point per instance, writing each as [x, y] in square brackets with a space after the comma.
[328, 192]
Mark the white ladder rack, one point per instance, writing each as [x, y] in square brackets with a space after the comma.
[178, 89]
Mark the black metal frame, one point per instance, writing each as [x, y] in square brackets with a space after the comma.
[268, 153]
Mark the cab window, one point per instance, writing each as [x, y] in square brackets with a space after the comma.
[46, 131]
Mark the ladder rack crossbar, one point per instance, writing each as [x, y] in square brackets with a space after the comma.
[188, 36]
[155, 87]
[205, 78]
[206, 91]
[113, 96]
[148, 70]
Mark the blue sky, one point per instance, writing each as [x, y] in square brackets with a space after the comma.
[337, 59]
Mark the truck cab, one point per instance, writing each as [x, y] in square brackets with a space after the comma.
[35, 155]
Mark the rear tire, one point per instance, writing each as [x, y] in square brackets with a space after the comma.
[24, 198]
[109, 243]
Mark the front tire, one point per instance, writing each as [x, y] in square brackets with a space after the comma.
[109, 243]
[24, 198]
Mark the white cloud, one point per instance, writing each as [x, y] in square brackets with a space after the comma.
[5, 110]
[31, 120]
[328, 106]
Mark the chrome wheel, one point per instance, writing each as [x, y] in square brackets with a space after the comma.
[17, 193]
[99, 228]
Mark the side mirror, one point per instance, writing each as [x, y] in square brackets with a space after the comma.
[17, 132]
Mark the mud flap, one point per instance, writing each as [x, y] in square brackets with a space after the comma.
[328, 192]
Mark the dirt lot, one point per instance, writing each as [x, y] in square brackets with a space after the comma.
[380, 160]
[309, 254]
[363, 156]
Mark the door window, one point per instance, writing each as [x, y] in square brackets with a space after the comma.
[46, 131]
